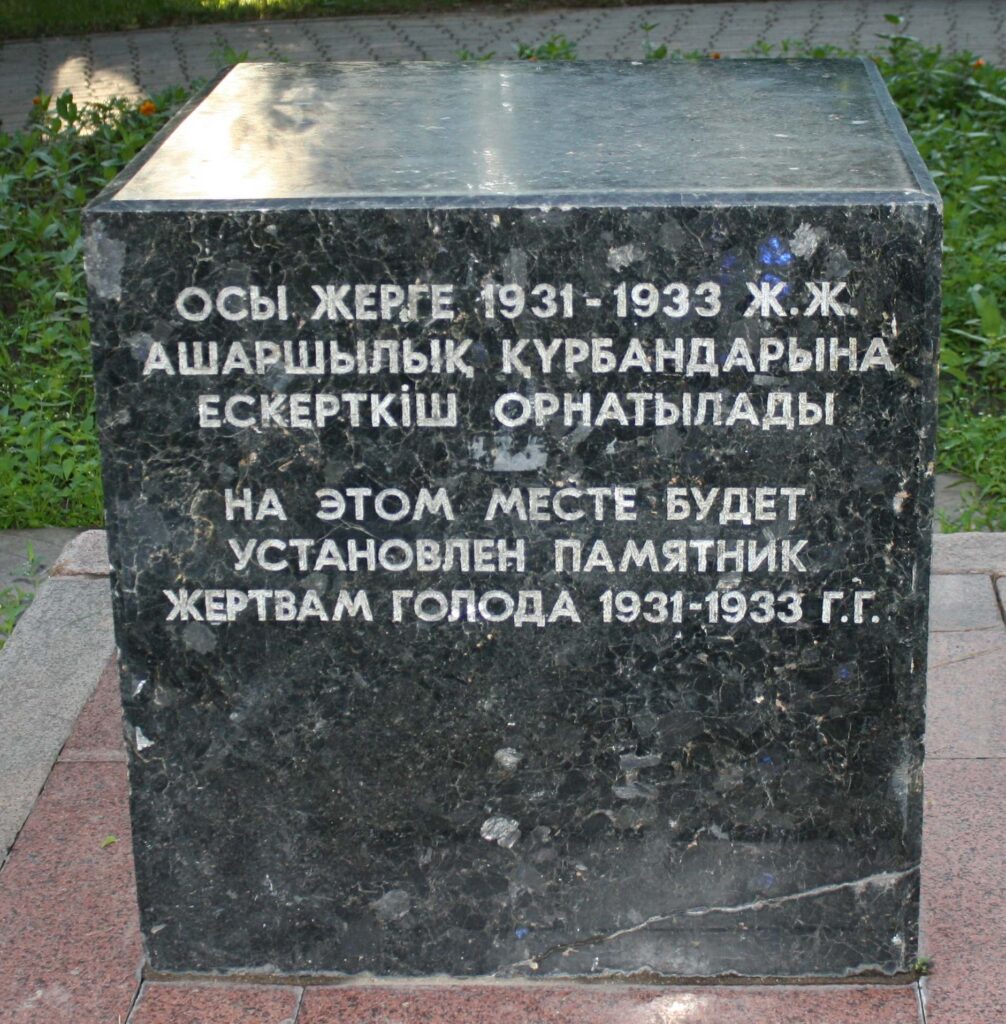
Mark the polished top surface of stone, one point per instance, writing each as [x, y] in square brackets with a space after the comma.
[465, 134]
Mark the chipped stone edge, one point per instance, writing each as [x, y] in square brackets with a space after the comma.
[86, 555]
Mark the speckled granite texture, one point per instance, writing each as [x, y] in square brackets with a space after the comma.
[682, 736]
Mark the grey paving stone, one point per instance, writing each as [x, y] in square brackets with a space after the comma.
[953, 495]
[15, 566]
[143, 62]
[983, 553]
[48, 669]
[963, 603]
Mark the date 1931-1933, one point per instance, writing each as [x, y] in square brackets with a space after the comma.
[733, 606]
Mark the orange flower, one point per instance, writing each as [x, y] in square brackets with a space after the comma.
[148, 107]
[978, 63]
[36, 101]
[715, 55]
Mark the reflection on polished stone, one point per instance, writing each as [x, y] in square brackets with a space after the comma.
[428, 131]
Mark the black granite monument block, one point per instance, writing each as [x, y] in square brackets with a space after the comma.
[519, 486]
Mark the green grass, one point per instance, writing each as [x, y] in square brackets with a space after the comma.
[66, 17]
[48, 449]
[954, 106]
[13, 604]
[14, 599]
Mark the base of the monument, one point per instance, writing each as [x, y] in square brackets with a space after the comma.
[627, 979]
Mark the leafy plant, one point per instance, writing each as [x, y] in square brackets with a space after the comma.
[922, 965]
[49, 461]
[60, 17]
[652, 52]
[226, 56]
[13, 603]
[554, 48]
[955, 108]
[14, 600]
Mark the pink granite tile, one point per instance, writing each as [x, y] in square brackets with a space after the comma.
[97, 736]
[592, 1004]
[966, 701]
[69, 934]
[964, 890]
[181, 1003]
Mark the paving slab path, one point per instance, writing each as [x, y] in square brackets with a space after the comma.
[139, 63]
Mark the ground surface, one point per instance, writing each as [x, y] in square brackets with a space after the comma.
[139, 63]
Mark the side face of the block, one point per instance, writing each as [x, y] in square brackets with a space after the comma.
[520, 592]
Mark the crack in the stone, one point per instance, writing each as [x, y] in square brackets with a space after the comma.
[967, 657]
[880, 878]
[970, 629]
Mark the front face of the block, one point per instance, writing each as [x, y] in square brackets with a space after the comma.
[522, 592]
